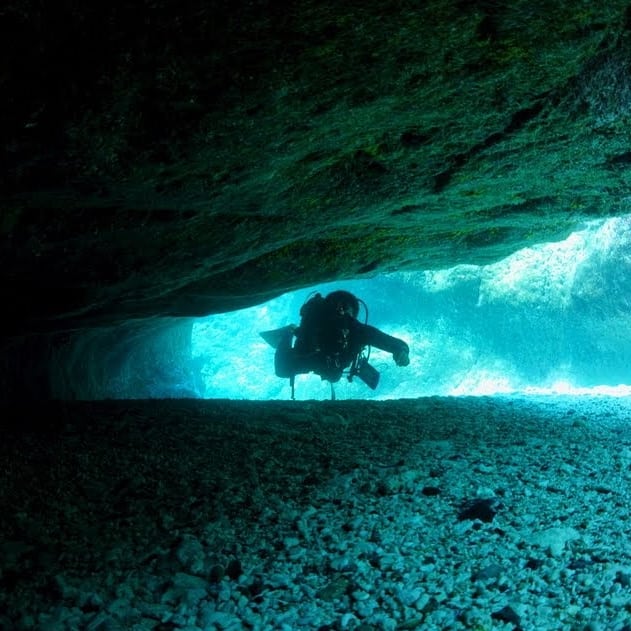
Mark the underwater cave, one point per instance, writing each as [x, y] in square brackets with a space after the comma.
[178, 179]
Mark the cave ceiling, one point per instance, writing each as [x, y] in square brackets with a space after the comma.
[174, 159]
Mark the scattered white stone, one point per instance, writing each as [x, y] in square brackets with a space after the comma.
[191, 554]
[409, 595]
[554, 540]
[223, 621]
[366, 607]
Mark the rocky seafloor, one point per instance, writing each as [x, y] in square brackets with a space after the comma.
[437, 513]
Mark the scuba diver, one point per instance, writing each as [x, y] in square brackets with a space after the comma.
[329, 340]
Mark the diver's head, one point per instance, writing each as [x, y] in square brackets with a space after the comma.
[343, 303]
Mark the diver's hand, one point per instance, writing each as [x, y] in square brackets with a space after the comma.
[402, 357]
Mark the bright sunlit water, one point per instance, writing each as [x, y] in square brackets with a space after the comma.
[554, 318]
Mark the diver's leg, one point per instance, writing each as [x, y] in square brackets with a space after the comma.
[288, 361]
[284, 358]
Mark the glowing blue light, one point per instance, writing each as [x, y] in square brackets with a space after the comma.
[554, 318]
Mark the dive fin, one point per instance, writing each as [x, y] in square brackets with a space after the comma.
[274, 337]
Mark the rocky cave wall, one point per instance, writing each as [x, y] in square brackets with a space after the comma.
[167, 160]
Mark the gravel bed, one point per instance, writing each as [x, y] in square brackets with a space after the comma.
[437, 513]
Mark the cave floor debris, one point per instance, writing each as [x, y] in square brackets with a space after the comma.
[459, 513]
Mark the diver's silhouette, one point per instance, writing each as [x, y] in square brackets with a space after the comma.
[329, 340]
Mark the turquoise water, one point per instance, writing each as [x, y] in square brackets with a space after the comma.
[554, 318]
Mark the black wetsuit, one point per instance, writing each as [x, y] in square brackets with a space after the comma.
[328, 344]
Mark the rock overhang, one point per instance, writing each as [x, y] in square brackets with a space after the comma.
[180, 161]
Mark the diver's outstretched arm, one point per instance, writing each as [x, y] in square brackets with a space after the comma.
[372, 336]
